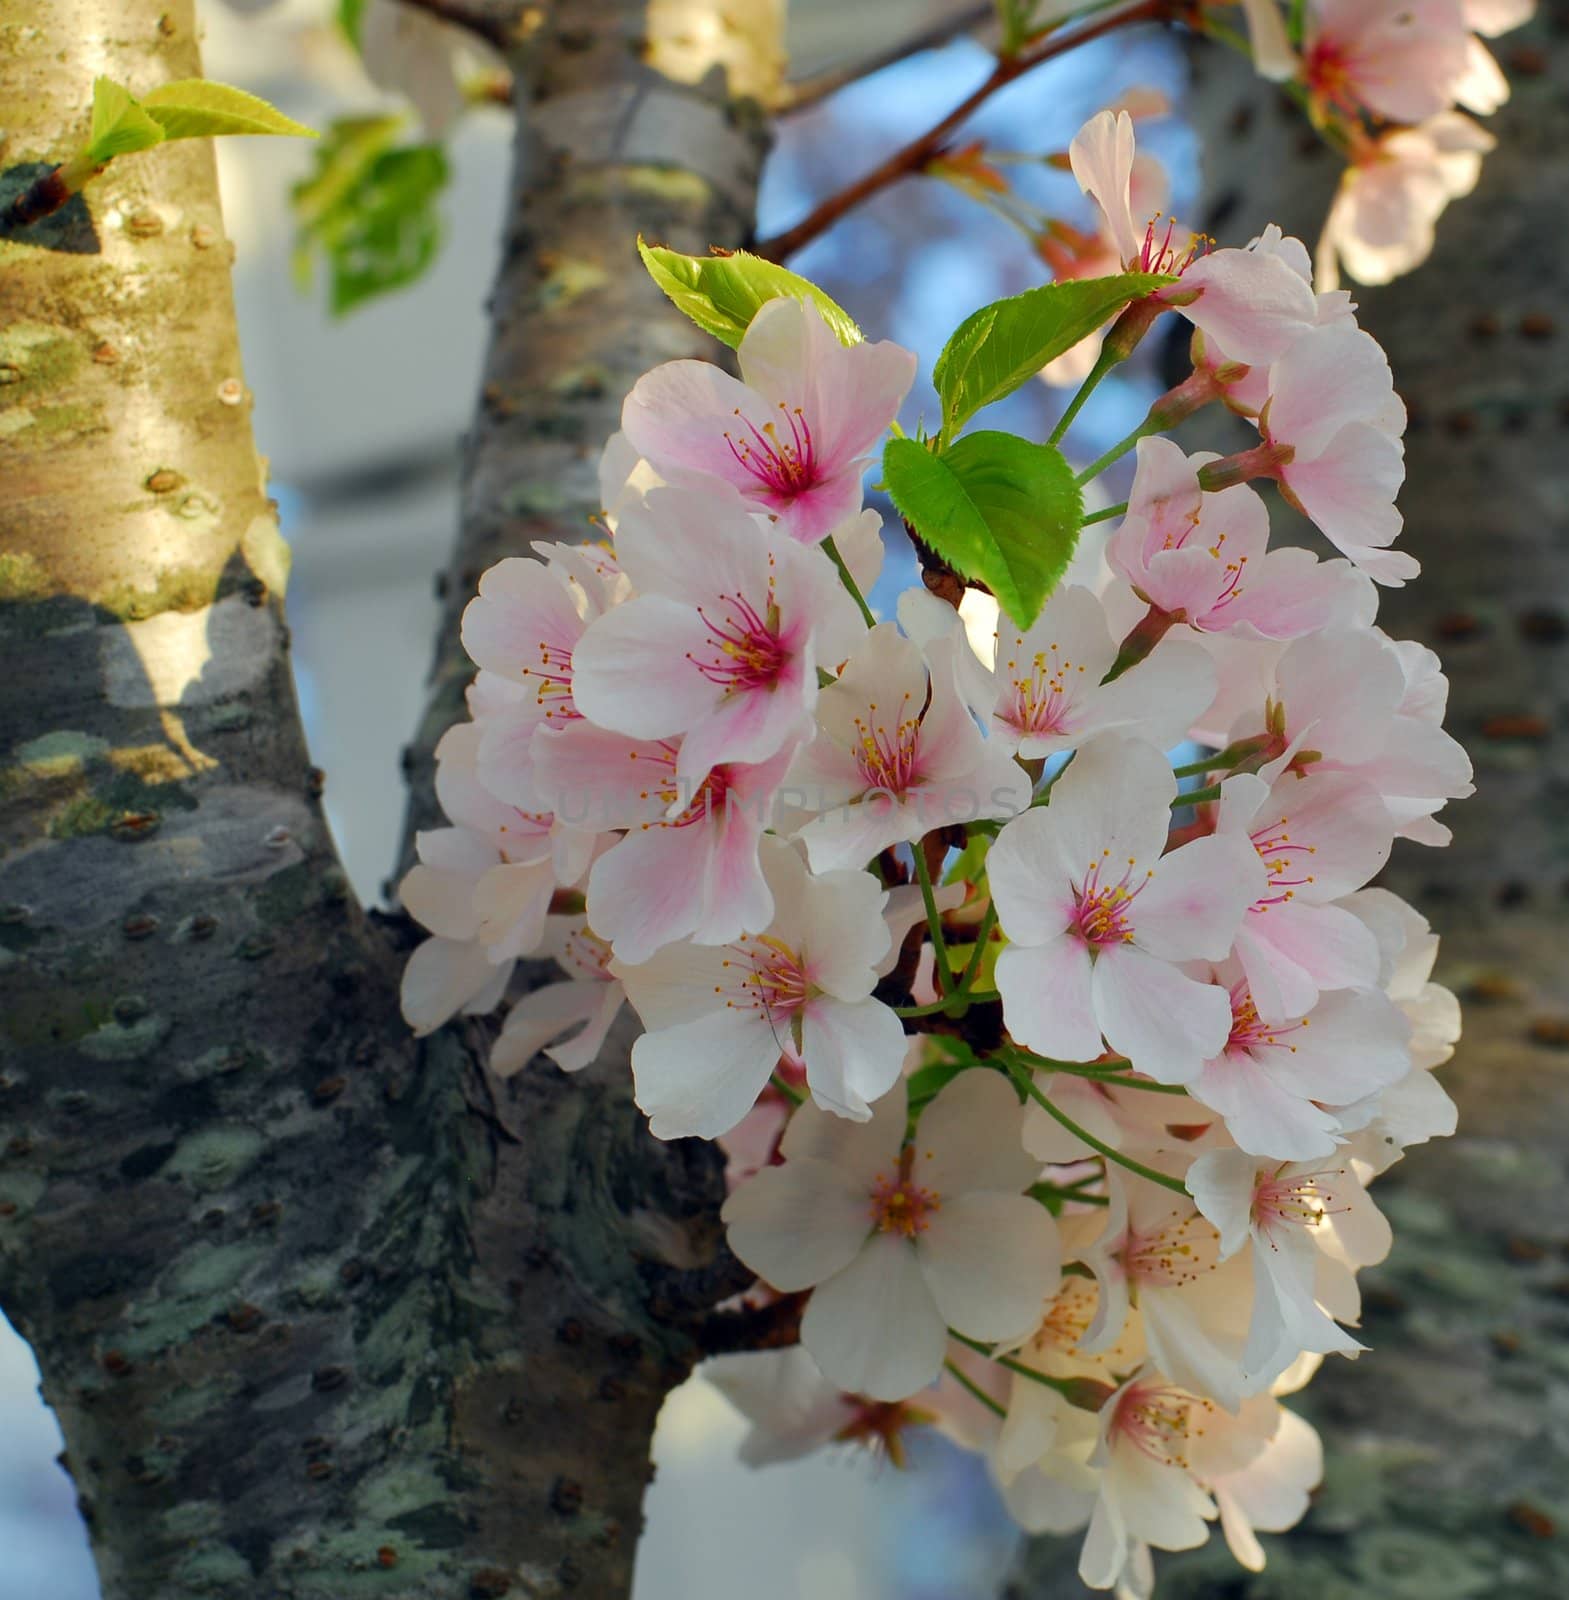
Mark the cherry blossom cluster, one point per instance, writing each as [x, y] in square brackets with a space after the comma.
[1389, 83]
[1027, 970]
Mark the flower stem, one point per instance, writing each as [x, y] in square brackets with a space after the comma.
[789, 1091]
[1026, 1081]
[1106, 514]
[933, 1008]
[1089, 1394]
[974, 1390]
[1046, 1192]
[1197, 797]
[832, 551]
[982, 936]
[933, 920]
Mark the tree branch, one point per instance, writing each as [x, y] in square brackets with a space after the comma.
[916, 156]
[497, 22]
[807, 92]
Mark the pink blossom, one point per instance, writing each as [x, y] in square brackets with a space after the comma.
[792, 435]
[588, 1000]
[1100, 919]
[1253, 304]
[1309, 1225]
[1318, 838]
[897, 755]
[1278, 1084]
[1333, 425]
[722, 639]
[687, 867]
[1351, 700]
[719, 1019]
[1383, 220]
[1204, 558]
[1400, 59]
[900, 1241]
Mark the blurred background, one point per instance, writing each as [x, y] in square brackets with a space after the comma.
[362, 416]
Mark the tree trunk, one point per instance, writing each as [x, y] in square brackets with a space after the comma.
[322, 1315]
[1447, 1470]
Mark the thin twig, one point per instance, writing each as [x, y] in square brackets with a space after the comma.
[919, 153]
[821, 85]
[495, 24]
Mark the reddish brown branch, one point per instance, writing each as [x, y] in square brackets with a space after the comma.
[916, 156]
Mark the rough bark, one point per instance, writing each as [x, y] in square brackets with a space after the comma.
[320, 1317]
[1448, 1456]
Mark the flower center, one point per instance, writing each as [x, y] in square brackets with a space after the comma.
[1285, 863]
[900, 1205]
[586, 953]
[1250, 1034]
[1302, 1200]
[1101, 909]
[879, 1425]
[1068, 1317]
[1155, 1418]
[887, 756]
[1041, 700]
[1159, 254]
[765, 974]
[781, 457]
[1327, 70]
[745, 649]
[1179, 1251]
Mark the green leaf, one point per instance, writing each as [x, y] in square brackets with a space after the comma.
[369, 208]
[722, 294]
[195, 108]
[1003, 345]
[995, 507]
[120, 126]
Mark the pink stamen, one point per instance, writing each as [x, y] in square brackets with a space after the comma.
[1155, 1419]
[1250, 1033]
[1041, 701]
[785, 467]
[747, 652]
[888, 757]
[1295, 1202]
[1101, 911]
[1280, 854]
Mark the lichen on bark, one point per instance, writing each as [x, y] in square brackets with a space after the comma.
[322, 1313]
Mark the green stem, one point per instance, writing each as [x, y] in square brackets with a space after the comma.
[933, 1008]
[1108, 358]
[972, 1388]
[933, 920]
[1045, 1192]
[1116, 453]
[1197, 769]
[792, 1094]
[982, 936]
[850, 584]
[1106, 514]
[1197, 797]
[1026, 1080]
[1063, 1386]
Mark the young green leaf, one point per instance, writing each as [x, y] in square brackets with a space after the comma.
[997, 508]
[119, 127]
[722, 294]
[195, 108]
[370, 209]
[1002, 346]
